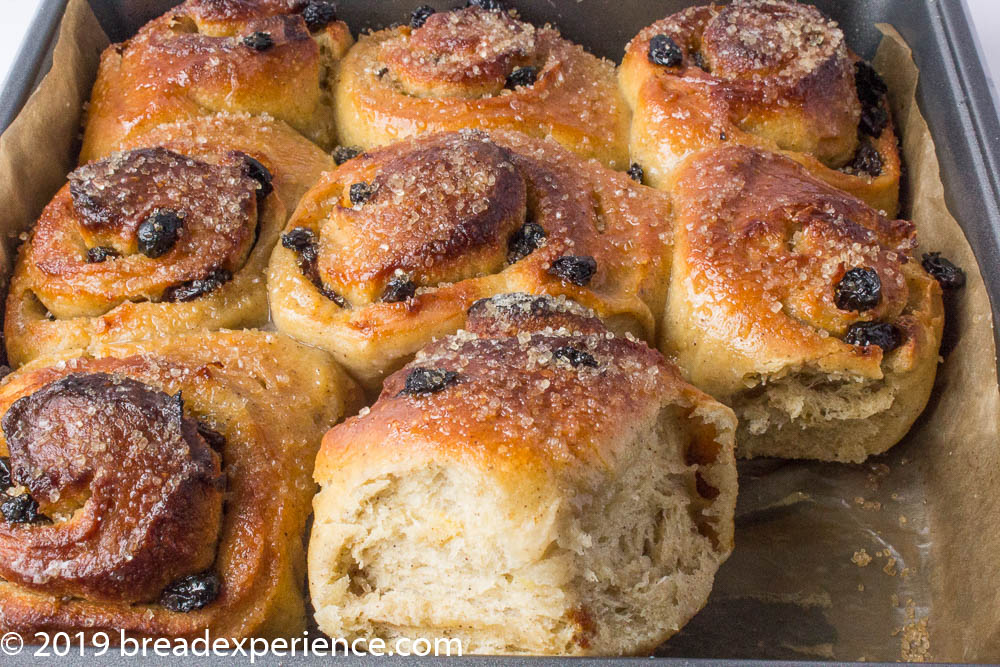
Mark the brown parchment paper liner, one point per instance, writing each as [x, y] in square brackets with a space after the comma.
[897, 558]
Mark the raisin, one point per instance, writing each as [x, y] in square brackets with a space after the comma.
[420, 15]
[213, 438]
[100, 253]
[873, 120]
[664, 51]
[859, 289]
[302, 241]
[192, 289]
[886, 336]
[361, 192]
[428, 381]
[575, 357]
[574, 269]
[699, 61]
[252, 168]
[524, 241]
[22, 509]
[6, 481]
[319, 14]
[299, 239]
[400, 288]
[191, 592]
[946, 273]
[258, 41]
[488, 5]
[158, 233]
[870, 86]
[522, 76]
[342, 154]
[867, 160]
[636, 173]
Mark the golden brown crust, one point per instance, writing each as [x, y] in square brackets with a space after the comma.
[770, 74]
[115, 484]
[193, 61]
[760, 247]
[439, 229]
[82, 276]
[452, 73]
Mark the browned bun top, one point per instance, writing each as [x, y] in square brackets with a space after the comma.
[764, 248]
[448, 207]
[441, 210]
[140, 224]
[128, 491]
[776, 68]
[476, 68]
[562, 391]
[465, 53]
[767, 39]
[205, 56]
[230, 12]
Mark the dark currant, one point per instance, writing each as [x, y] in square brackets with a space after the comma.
[574, 269]
[859, 289]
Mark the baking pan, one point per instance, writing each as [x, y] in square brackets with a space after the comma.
[953, 96]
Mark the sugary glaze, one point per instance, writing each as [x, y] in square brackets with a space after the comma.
[201, 57]
[142, 243]
[771, 74]
[461, 69]
[760, 247]
[157, 461]
[440, 221]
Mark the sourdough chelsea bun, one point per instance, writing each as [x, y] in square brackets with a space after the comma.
[275, 57]
[772, 74]
[799, 306]
[141, 244]
[480, 68]
[156, 489]
[390, 249]
[532, 484]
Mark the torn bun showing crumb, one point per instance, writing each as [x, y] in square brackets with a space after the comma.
[531, 485]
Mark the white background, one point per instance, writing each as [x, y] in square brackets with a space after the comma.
[15, 15]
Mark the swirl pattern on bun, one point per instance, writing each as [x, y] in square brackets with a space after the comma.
[771, 74]
[391, 249]
[153, 488]
[474, 68]
[144, 243]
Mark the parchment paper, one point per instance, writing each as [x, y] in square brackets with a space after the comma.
[892, 559]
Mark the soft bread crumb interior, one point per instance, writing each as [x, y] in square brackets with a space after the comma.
[612, 561]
